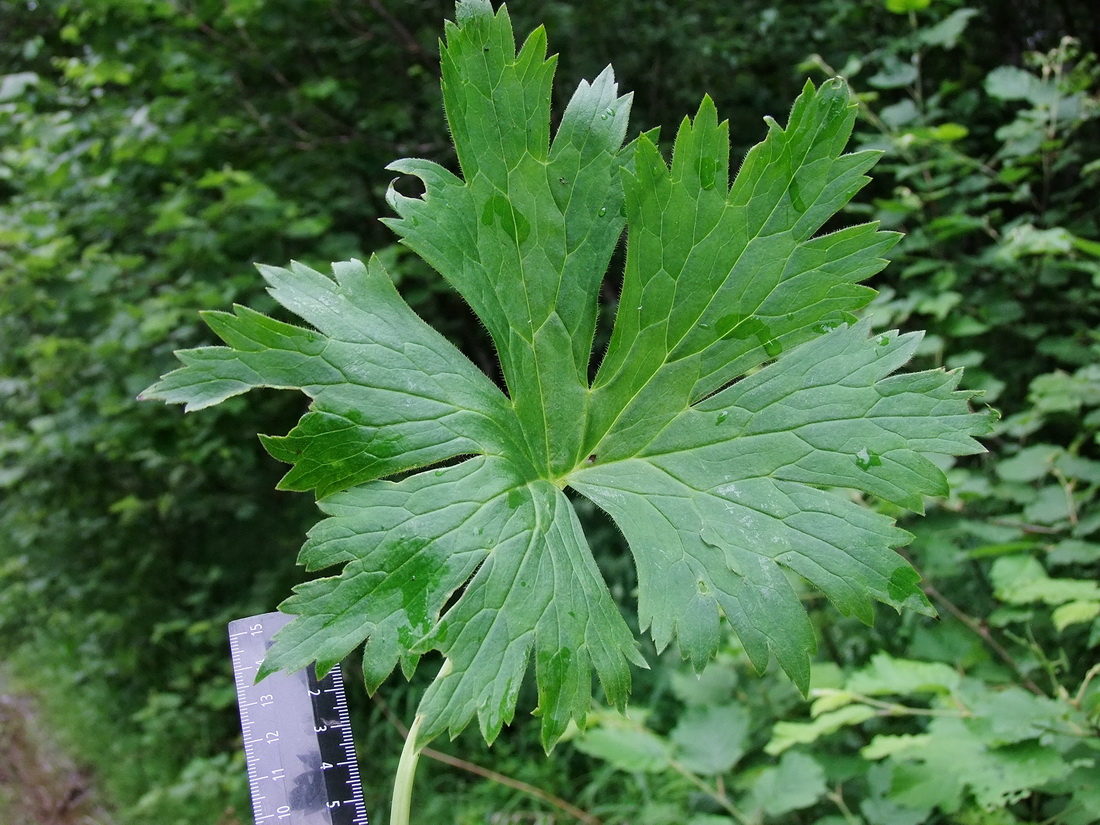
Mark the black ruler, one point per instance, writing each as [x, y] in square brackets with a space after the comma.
[297, 736]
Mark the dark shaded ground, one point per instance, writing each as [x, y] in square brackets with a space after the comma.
[39, 783]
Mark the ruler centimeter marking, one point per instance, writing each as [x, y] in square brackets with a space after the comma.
[297, 736]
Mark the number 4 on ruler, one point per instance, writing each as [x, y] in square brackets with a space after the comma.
[297, 736]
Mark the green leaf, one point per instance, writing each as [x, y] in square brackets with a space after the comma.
[797, 782]
[1027, 239]
[1075, 613]
[1012, 83]
[626, 745]
[789, 734]
[1023, 580]
[946, 33]
[1074, 551]
[1084, 809]
[714, 686]
[1058, 391]
[887, 675]
[1030, 464]
[1080, 469]
[894, 74]
[1050, 506]
[389, 392]
[710, 740]
[1013, 715]
[736, 396]
[722, 499]
[885, 745]
[879, 810]
[14, 86]
[938, 767]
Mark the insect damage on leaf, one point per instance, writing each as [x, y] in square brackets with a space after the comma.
[736, 393]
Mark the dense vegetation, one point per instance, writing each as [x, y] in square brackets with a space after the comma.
[152, 150]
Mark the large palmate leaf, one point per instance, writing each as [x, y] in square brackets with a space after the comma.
[736, 396]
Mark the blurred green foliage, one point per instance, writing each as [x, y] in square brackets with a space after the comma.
[150, 150]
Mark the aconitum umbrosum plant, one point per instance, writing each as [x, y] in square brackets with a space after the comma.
[737, 393]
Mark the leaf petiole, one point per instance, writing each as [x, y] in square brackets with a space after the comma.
[401, 803]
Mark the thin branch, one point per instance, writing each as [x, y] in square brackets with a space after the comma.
[519, 785]
[493, 776]
[837, 798]
[412, 45]
[983, 632]
[717, 795]
[1027, 528]
[897, 709]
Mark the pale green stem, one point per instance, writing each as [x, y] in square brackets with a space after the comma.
[1068, 487]
[1093, 672]
[895, 709]
[401, 806]
[837, 798]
